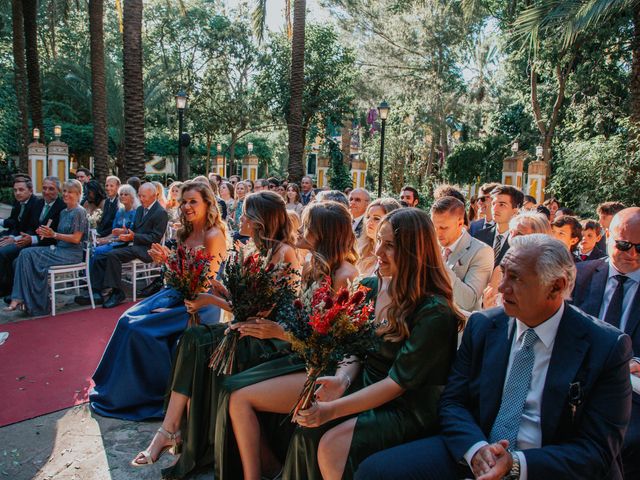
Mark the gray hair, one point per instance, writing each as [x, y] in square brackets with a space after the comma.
[538, 222]
[126, 188]
[333, 196]
[149, 186]
[114, 179]
[362, 190]
[552, 257]
[52, 179]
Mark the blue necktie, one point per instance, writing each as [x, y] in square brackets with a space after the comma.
[507, 423]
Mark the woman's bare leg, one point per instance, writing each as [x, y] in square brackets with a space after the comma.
[277, 395]
[333, 450]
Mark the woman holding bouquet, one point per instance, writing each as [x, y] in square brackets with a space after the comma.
[131, 379]
[392, 396]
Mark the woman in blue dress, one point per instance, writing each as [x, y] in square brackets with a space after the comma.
[132, 377]
[30, 290]
[124, 218]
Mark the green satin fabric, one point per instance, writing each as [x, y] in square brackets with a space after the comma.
[420, 364]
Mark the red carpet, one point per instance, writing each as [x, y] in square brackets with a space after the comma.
[46, 364]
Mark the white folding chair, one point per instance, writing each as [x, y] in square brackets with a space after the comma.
[137, 270]
[59, 277]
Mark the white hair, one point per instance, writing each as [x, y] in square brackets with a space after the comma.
[538, 222]
[552, 259]
[362, 190]
[126, 188]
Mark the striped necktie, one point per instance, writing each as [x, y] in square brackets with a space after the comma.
[497, 246]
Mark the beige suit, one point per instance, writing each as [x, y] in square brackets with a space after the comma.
[470, 266]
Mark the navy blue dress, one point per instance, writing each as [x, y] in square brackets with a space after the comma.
[132, 377]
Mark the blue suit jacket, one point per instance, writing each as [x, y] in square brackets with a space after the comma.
[586, 351]
[476, 226]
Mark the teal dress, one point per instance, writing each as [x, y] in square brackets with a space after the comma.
[420, 365]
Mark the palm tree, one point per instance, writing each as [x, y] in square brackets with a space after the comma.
[296, 76]
[30, 13]
[20, 77]
[133, 90]
[98, 89]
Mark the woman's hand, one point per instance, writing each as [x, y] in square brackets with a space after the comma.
[319, 414]
[159, 253]
[331, 387]
[202, 300]
[218, 288]
[260, 328]
[45, 232]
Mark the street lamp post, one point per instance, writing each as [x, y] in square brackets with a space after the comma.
[181, 104]
[383, 111]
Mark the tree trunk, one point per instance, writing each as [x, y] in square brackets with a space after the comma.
[346, 142]
[294, 123]
[20, 78]
[133, 89]
[30, 12]
[233, 168]
[98, 90]
[634, 84]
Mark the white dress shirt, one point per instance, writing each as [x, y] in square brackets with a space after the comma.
[630, 289]
[530, 433]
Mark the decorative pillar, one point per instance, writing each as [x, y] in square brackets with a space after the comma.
[219, 165]
[512, 170]
[58, 160]
[250, 167]
[358, 173]
[37, 164]
[537, 179]
[322, 168]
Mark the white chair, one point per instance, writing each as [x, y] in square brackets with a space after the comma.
[137, 270]
[59, 278]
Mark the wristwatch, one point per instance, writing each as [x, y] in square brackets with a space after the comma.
[514, 473]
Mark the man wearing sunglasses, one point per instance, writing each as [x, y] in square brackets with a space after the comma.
[483, 204]
[609, 288]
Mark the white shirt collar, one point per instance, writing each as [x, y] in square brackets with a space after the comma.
[150, 206]
[546, 331]
[635, 276]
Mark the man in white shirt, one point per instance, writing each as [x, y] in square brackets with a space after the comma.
[469, 261]
[359, 200]
[538, 390]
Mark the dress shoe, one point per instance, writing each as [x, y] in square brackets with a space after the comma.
[153, 287]
[116, 298]
[85, 300]
[7, 299]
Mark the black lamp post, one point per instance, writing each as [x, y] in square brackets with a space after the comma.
[383, 111]
[181, 104]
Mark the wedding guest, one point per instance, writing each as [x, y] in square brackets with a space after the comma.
[132, 377]
[394, 395]
[124, 219]
[538, 388]
[469, 261]
[367, 262]
[259, 185]
[359, 199]
[110, 207]
[227, 194]
[161, 198]
[563, 212]
[553, 205]
[332, 196]
[149, 227]
[608, 288]
[192, 382]
[217, 179]
[472, 212]
[605, 212]
[30, 286]
[410, 195]
[282, 191]
[306, 190]
[22, 229]
[222, 206]
[135, 182]
[293, 199]
[95, 197]
[236, 213]
[544, 211]
[234, 179]
[525, 223]
[446, 190]
[173, 201]
[485, 216]
[84, 176]
[505, 203]
[568, 230]
[273, 183]
[591, 236]
[530, 203]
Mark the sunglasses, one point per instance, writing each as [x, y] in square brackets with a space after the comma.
[624, 246]
[483, 199]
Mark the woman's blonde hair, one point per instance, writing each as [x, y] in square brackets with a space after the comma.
[330, 225]
[366, 246]
[213, 214]
[162, 199]
[420, 273]
[73, 184]
[272, 226]
[171, 203]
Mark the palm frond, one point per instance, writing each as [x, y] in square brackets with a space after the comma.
[259, 18]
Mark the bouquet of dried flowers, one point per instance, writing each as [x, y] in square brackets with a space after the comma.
[324, 328]
[255, 285]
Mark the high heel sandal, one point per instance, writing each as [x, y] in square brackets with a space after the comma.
[173, 448]
[20, 307]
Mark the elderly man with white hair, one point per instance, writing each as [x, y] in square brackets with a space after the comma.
[149, 226]
[539, 389]
[359, 200]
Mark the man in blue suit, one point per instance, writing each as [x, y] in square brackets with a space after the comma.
[609, 288]
[539, 390]
[484, 209]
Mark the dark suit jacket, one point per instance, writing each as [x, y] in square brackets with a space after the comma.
[54, 215]
[487, 235]
[29, 221]
[586, 351]
[476, 226]
[591, 281]
[595, 254]
[108, 215]
[151, 228]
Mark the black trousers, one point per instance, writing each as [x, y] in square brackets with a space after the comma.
[107, 267]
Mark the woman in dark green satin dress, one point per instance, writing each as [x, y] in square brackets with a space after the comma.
[394, 397]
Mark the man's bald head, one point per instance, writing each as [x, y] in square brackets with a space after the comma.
[147, 194]
[624, 230]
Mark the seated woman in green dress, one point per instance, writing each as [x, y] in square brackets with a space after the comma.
[392, 395]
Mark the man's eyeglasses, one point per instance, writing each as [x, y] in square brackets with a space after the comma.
[272, 186]
[484, 199]
[624, 246]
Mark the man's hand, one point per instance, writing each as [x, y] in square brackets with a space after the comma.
[126, 237]
[24, 240]
[634, 367]
[487, 458]
[503, 461]
[116, 232]
[8, 240]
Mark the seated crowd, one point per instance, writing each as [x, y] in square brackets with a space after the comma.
[509, 330]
